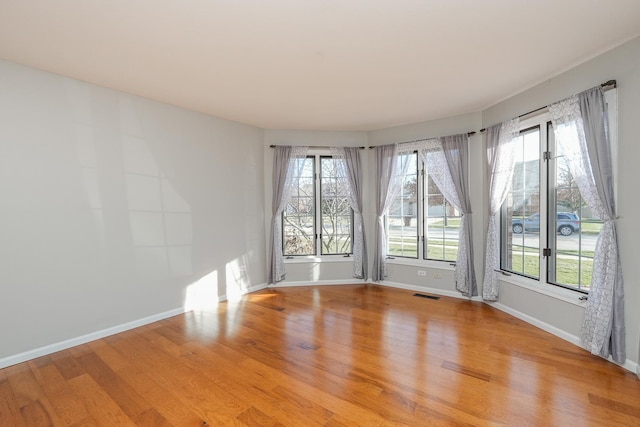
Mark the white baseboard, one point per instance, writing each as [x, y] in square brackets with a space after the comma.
[250, 289]
[72, 342]
[537, 322]
[573, 339]
[319, 283]
[437, 291]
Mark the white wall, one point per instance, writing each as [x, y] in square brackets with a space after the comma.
[623, 65]
[115, 207]
[327, 269]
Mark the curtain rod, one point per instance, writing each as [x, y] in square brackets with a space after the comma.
[326, 147]
[611, 84]
[421, 139]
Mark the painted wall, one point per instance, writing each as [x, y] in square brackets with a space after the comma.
[623, 65]
[115, 208]
[327, 269]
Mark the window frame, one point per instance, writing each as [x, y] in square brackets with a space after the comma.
[421, 258]
[548, 209]
[317, 218]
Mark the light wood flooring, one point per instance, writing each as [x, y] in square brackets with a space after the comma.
[324, 356]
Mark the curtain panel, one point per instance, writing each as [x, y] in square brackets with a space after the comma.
[350, 179]
[500, 164]
[390, 172]
[456, 152]
[286, 172]
[581, 130]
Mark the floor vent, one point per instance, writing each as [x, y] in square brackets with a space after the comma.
[426, 296]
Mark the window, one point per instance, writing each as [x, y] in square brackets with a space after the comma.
[547, 231]
[402, 219]
[421, 213]
[302, 218]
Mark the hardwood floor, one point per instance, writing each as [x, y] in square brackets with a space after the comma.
[332, 356]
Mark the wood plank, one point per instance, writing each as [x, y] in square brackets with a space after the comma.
[101, 407]
[9, 410]
[329, 355]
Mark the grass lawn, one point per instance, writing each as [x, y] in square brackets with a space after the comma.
[568, 269]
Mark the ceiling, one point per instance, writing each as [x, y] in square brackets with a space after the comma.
[312, 64]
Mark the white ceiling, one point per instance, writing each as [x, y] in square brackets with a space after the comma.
[315, 64]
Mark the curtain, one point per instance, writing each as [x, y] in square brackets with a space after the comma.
[581, 130]
[390, 169]
[286, 173]
[350, 179]
[500, 163]
[448, 165]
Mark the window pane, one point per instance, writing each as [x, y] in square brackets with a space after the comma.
[402, 219]
[337, 216]
[442, 224]
[520, 234]
[573, 229]
[298, 218]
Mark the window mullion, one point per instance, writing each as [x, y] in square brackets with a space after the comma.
[317, 200]
[546, 163]
[421, 207]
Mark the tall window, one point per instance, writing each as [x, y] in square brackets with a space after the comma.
[441, 223]
[309, 230]
[420, 213]
[521, 208]
[402, 219]
[336, 214]
[547, 231]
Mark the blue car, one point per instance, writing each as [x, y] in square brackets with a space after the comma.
[567, 223]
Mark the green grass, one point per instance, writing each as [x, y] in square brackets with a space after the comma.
[434, 249]
[451, 223]
[567, 269]
[589, 227]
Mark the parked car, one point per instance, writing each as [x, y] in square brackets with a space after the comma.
[567, 223]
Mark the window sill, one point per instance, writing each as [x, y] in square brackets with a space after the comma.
[426, 263]
[318, 259]
[566, 295]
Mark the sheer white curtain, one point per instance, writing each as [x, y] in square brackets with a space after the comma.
[287, 166]
[390, 169]
[350, 179]
[447, 162]
[500, 163]
[581, 131]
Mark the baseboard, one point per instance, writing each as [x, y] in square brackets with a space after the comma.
[72, 342]
[250, 289]
[319, 283]
[573, 339]
[437, 291]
